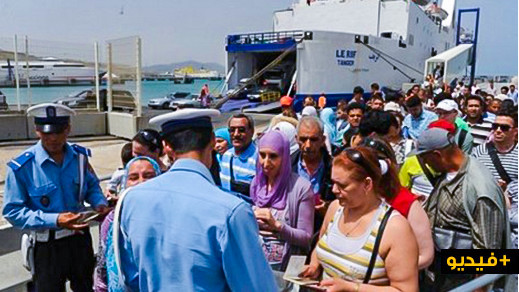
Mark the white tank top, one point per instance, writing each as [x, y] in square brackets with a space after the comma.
[348, 257]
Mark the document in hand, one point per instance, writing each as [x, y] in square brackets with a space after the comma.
[294, 268]
[88, 216]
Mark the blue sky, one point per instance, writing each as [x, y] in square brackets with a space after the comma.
[180, 30]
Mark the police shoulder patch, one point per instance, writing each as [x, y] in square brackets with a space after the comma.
[19, 161]
[82, 150]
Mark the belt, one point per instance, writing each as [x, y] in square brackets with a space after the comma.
[49, 235]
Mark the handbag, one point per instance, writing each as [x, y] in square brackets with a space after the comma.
[443, 239]
[236, 186]
[450, 239]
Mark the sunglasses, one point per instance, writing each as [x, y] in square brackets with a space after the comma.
[311, 139]
[357, 158]
[504, 127]
[149, 137]
[377, 146]
[240, 129]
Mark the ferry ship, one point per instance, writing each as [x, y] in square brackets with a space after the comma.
[190, 72]
[46, 72]
[331, 46]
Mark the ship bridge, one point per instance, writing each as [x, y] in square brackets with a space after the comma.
[263, 41]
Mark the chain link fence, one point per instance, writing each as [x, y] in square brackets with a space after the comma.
[124, 74]
[26, 62]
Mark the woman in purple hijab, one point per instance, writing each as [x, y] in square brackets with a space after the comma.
[283, 202]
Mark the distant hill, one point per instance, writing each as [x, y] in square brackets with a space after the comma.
[7, 55]
[161, 68]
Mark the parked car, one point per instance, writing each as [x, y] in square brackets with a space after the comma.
[264, 92]
[164, 102]
[121, 99]
[191, 101]
[3, 101]
[243, 93]
[81, 99]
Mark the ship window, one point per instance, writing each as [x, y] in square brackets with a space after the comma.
[417, 20]
[68, 65]
[33, 66]
[411, 40]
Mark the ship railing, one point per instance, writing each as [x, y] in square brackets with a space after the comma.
[278, 37]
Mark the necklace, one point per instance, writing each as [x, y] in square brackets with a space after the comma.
[347, 233]
[353, 229]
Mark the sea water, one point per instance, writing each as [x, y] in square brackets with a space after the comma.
[150, 89]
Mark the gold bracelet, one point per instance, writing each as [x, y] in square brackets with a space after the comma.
[357, 288]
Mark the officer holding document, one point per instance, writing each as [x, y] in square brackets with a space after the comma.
[179, 231]
[45, 188]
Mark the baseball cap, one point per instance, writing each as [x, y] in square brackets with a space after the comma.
[448, 105]
[432, 139]
[392, 107]
[443, 124]
[501, 97]
[286, 100]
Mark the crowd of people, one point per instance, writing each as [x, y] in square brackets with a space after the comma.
[370, 191]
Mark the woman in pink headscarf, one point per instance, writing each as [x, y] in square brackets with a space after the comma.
[283, 202]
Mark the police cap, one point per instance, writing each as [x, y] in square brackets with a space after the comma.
[183, 119]
[50, 117]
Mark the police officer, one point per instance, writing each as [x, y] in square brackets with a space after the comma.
[44, 193]
[179, 231]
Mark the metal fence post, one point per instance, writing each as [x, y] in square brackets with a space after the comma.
[109, 77]
[27, 70]
[16, 76]
[96, 79]
[138, 78]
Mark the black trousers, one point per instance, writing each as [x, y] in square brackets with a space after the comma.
[70, 258]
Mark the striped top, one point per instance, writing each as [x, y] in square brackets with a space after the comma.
[508, 160]
[480, 131]
[243, 166]
[348, 257]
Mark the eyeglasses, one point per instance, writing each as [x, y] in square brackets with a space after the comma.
[504, 127]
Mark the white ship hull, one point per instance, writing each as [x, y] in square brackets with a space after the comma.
[47, 73]
[338, 57]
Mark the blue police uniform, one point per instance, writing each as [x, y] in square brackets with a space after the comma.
[37, 190]
[180, 232]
